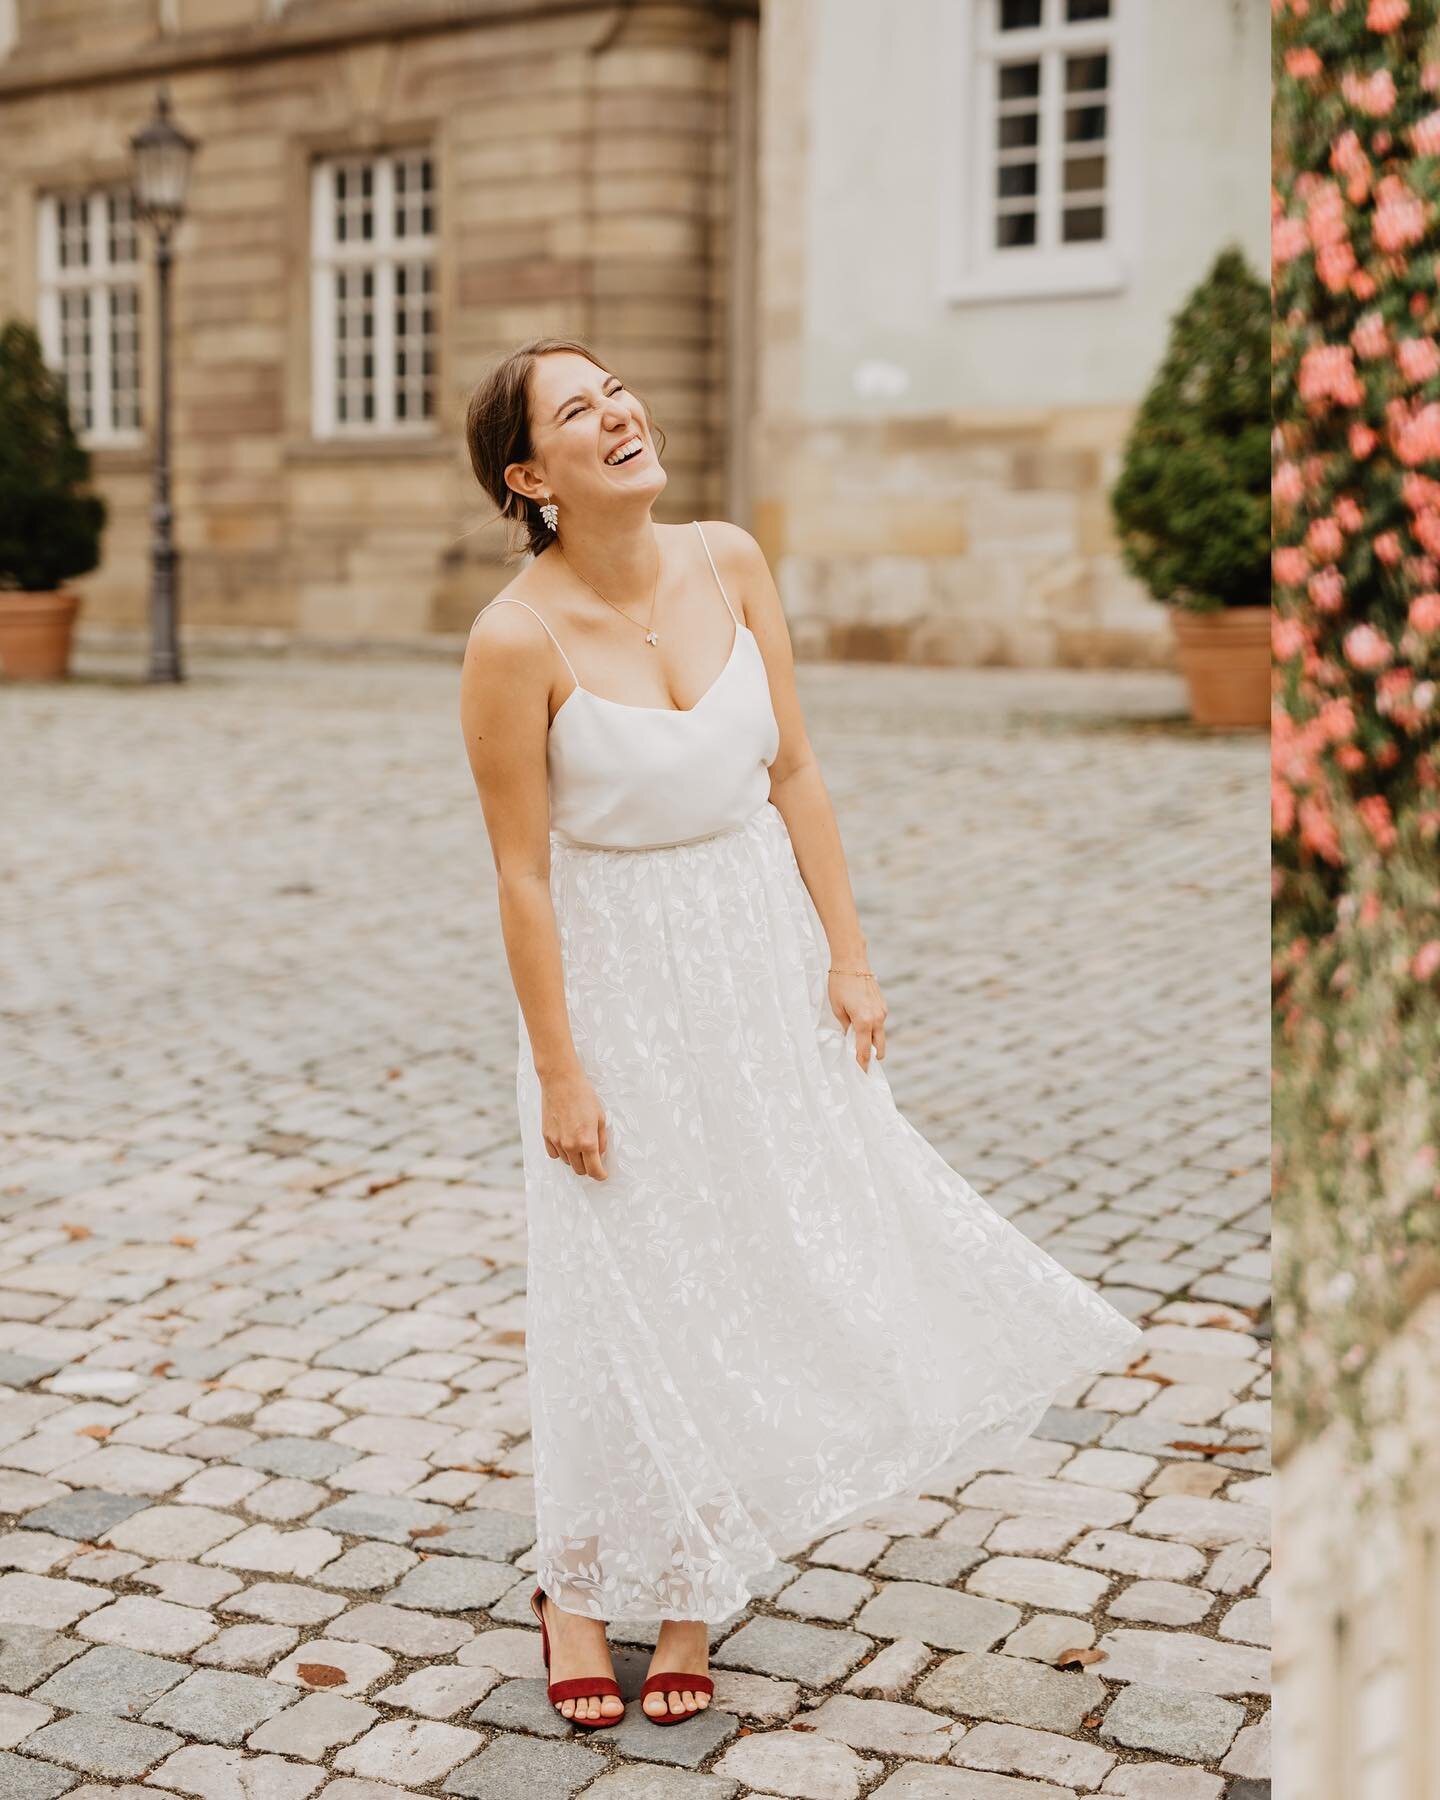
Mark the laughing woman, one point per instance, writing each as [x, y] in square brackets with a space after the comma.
[760, 1302]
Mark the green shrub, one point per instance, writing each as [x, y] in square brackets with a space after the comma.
[1192, 502]
[49, 527]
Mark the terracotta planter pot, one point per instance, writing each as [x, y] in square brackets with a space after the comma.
[1225, 659]
[35, 634]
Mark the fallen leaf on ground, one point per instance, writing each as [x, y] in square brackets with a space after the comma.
[321, 1675]
[1214, 1449]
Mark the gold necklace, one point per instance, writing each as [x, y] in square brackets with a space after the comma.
[651, 635]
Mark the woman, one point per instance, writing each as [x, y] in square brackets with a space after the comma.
[760, 1303]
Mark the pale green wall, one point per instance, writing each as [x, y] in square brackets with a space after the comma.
[878, 92]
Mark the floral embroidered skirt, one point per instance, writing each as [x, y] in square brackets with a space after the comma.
[783, 1307]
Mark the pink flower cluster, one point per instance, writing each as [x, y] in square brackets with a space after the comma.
[1414, 431]
[1425, 135]
[1372, 94]
[1327, 372]
[1425, 612]
[1366, 649]
[1387, 15]
[1418, 358]
[1399, 215]
[1348, 158]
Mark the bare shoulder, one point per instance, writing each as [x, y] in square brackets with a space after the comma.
[733, 544]
[506, 640]
[746, 575]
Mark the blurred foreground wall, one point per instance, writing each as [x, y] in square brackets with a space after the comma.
[1357, 1599]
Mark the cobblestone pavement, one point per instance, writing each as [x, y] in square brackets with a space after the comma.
[263, 1458]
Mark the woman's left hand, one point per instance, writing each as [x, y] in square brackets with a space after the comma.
[856, 1000]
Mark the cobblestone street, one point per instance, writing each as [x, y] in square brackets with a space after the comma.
[264, 1465]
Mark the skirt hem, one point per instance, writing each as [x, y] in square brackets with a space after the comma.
[1002, 1435]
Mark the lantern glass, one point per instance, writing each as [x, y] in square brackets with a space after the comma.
[162, 156]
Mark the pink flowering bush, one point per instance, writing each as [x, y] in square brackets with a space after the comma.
[1355, 566]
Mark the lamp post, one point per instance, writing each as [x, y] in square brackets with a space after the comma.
[161, 154]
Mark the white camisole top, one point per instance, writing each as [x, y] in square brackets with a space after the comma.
[626, 777]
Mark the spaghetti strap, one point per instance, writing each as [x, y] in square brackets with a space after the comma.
[716, 573]
[501, 599]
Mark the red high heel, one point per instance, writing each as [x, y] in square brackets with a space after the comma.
[675, 1681]
[579, 1687]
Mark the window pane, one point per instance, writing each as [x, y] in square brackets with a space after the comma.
[414, 340]
[1078, 11]
[1084, 174]
[76, 363]
[120, 247]
[354, 345]
[1014, 179]
[414, 196]
[1087, 74]
[1018, 131]
[1019, 15]
[73, 245]
[1014, 229]
[1019, 80]
[354, 206]
[125, 358]
[1084, 124]
[1082, 224]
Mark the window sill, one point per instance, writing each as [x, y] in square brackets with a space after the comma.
[383, 447]
[120, 459]
[1042, 281]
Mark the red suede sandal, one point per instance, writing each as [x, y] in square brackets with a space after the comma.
[675, 1681]
[579, 1687]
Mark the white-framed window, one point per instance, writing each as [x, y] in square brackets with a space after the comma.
[373, 294]
[1038, 190]
[89, 308]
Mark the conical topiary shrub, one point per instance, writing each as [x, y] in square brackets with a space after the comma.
[49, 526]
[1192, 502]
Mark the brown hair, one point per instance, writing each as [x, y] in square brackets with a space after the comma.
[497, 433]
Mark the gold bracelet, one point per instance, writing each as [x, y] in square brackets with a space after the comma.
[865, 972]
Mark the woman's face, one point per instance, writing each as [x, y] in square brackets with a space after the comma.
[580, 415]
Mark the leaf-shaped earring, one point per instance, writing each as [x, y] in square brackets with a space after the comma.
[550, 513]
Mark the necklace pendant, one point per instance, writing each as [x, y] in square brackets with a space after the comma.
[652, 637]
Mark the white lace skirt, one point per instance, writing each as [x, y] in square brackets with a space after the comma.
[784, 1306]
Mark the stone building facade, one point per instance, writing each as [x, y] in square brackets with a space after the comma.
[892, 281]
[386, 194]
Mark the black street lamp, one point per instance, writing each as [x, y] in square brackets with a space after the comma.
[162, 156]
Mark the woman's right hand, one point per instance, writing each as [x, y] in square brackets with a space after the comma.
[572, 1121]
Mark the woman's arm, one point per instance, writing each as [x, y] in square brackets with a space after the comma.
[504, 714]
[798, 790]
